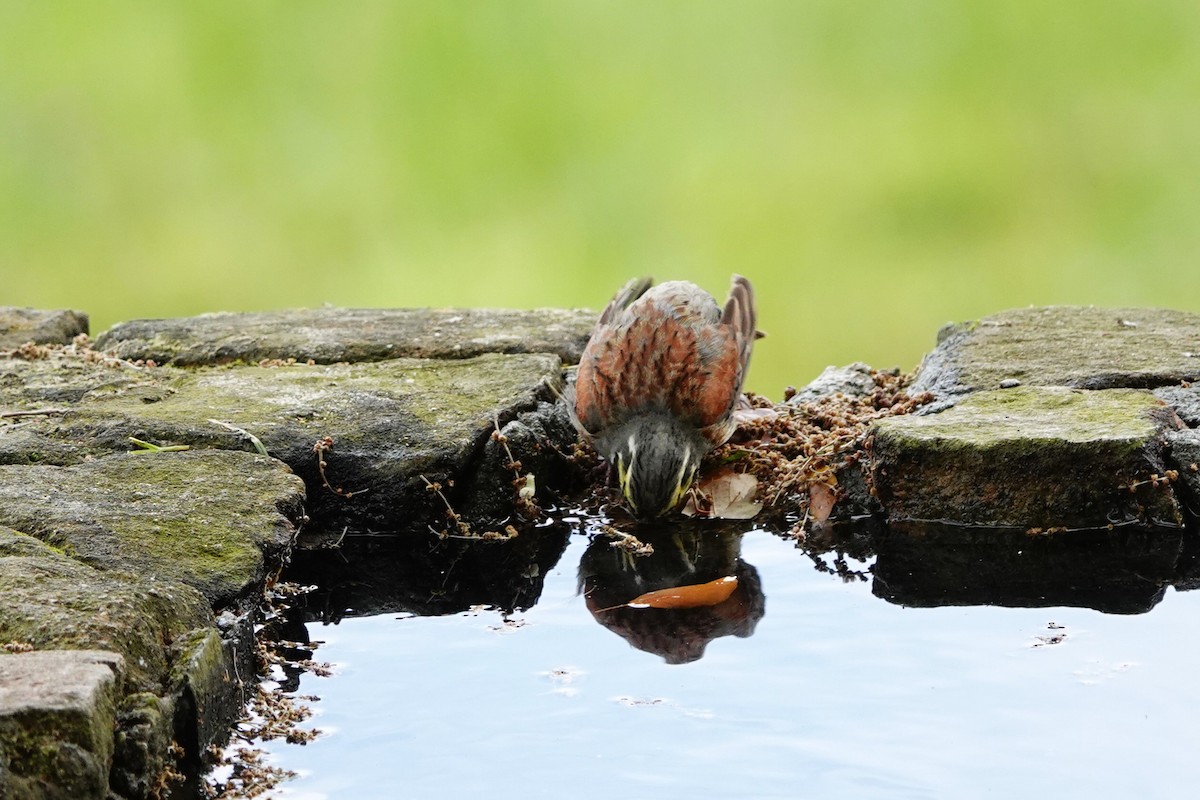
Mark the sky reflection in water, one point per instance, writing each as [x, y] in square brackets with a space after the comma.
[837, 694]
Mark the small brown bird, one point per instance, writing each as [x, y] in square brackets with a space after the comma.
[658, 382]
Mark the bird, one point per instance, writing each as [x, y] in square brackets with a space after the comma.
[657, 384]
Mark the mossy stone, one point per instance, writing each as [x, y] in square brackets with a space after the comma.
[1030, 457]
[329, 335]
[212, 520]
[1076, 346]
[57, 713]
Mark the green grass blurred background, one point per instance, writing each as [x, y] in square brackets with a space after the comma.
[876, 168]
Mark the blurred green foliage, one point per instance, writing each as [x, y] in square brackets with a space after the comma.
[876, 168]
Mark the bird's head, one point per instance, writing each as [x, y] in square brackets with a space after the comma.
[656, 457]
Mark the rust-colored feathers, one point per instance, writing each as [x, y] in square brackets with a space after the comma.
[667, 348]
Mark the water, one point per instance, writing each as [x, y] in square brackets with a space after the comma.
[836, 694]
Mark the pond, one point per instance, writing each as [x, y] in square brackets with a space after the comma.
[837, 668]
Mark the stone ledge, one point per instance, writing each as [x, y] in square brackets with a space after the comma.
[328, 335]
[19, 326]
[57, 714]
[209, 519]
[1082, 347]
[1045, 457]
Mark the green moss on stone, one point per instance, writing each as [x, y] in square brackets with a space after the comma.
[1032, 457]
[1078, 346]
[56, 603]
[1029, 417]
[206, 519]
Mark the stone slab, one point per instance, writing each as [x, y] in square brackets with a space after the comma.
[53, 602]
[57, 714]
[1185, 399]
[1183, 456]
[1077, 346]
[1047, 457]
[209, 519]
[21, 325]
[390, 421]
[328, 335]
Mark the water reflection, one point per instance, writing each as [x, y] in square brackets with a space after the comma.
[423, 574]
[609, 577]
[907, 699]
[1121, 571]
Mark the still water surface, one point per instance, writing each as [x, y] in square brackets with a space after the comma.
[836, 694]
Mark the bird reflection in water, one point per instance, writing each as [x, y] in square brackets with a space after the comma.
[610, 577]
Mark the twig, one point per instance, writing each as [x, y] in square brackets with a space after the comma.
[33, 412]
[141, 446]
[627, 542]
[254, 440]
[464, 528]
[524, 484]
[321, 447]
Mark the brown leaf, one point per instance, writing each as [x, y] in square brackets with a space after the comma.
[693, 596]
[821, 499]
[731, 494]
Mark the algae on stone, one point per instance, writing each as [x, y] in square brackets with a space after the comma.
[209, 519]
[1077, 346]
[328, 335]
[390, 422]
[1028, 457]
[178, 678]
[54, 602]
[57, 713]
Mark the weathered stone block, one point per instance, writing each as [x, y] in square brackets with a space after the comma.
[53, 602]
[328, 335]
[57, 713]
[1046, 457]
[1185, 399]
[390, 422]
[21, 325]
[1184, 457]
[213, 520]
[1077, 346]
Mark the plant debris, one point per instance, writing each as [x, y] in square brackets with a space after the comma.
[80, 348]
[627, 542]
[321, 447]
[465, 531]
[796, 451]
[241, 770]
[724, 494]
[140, 446]
[525, 485]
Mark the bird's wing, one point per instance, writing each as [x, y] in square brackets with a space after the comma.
[676, 357]
[731, 343]
[590, 400]
[624, 298]
[742, 317]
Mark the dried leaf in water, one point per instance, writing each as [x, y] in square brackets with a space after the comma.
[732, 495]
[821, 499]
[693, 596]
